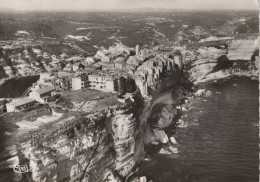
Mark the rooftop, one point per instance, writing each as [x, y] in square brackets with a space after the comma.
[77, 64]
[45, 89]
[21, 101]
[107, 77]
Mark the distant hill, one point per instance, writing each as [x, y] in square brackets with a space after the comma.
[149, 9]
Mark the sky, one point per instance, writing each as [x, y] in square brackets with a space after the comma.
[82, 5]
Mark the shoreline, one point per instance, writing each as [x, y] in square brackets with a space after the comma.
[187, 105]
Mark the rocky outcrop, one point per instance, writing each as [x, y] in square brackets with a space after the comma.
[206, 70]
[199, 71]
[211, 53]
[208, 60]
[242, 49]
[213, 63]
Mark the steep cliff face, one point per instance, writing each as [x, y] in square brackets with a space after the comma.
[164, 114]
[123, 129]
[96, 147]
[70, 152]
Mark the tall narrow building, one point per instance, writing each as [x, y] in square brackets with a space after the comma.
[137, 50]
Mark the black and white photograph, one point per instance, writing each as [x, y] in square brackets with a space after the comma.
[129, 91]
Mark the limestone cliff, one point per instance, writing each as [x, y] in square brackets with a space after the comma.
[96, 147]
[69, 152]
[214, 63]
[163, 112]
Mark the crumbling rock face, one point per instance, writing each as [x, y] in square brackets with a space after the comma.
[162, 115]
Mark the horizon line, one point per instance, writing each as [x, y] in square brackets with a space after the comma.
[146, 9]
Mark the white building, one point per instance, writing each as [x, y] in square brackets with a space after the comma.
[77, 66]
[100, 54]
[89, 60]
[242, 19]
[44, 77]
[79, 82]
[137, 50]
[105, 59]
[20, 104]
[101, 82]
[44, 94]
[68, 67]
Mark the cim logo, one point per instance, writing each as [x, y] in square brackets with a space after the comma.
[22, 169]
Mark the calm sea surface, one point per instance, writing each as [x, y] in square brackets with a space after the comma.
[16, 87]
[220, 142]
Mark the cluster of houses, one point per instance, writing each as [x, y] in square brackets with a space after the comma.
[37, 95]
[118, 69]
[151, 71]
[41, 95]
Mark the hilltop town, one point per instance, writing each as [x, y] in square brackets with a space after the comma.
[121, 69]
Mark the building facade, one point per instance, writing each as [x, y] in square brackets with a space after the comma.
[102, 82]
[20, 104]
[44, 94]
[79, 82]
